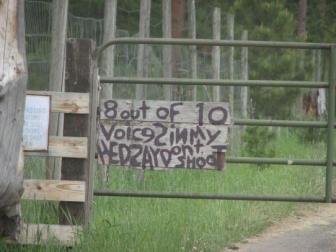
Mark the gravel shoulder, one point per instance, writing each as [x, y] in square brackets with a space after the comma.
[312, 230]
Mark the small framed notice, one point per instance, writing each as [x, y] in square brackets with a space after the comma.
[36, 123]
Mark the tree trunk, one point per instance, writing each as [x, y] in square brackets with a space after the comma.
[321, 64]
[13, 80]
[321, 98]
[310, 98]
[301, 19]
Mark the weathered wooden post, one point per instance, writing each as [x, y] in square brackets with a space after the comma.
[230, 60]
[192, 49]
[107, 59]
[244, 76]
[13, 80]
[56, 76]
[215, 59]
[143, 53]
[107, 63]
[167, 49]
[82, 77]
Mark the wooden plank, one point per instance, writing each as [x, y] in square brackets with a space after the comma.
[54, 190]
[64, 102]
[169, 111]
[152, 134]
[168, 135]
[39, 234]
[71, 147]
[150, 145]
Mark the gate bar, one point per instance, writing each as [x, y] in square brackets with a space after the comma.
[280, 123]
[206, 196]
[212, 82]
[275, 161]
[331, 120]
[212, 42]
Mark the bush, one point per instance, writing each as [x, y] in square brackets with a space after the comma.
[259, 142]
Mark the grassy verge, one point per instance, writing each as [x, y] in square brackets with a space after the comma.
[129, 224]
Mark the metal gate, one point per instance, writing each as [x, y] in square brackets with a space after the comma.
[329, 124]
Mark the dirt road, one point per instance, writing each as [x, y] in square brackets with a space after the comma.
[307, 231]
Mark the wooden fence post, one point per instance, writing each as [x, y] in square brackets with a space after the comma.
[167, 49]
[216, 95]
[235, 136]
[192, 49]
[143, 57]
[107, 59]
[216, 35]
[230, 27]
[178, 24]
[56, 76]
[143, 52]
[107, 63]
[81, 76]
[244, 76]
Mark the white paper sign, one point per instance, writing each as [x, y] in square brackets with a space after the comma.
[36, 123]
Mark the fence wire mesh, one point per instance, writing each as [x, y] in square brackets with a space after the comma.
[38, 37]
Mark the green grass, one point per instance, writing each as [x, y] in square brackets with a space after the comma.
[133, 224]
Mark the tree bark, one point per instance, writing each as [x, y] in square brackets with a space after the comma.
[13, 80]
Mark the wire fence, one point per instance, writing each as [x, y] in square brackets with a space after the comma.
[38, 37]
[231, 63]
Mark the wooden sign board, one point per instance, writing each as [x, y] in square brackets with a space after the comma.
[36, 123]
[163, 134]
